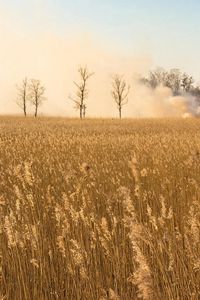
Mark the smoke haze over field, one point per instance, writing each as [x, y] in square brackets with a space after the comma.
[54, 59]
[161, 103]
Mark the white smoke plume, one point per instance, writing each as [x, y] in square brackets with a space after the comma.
[160, 102]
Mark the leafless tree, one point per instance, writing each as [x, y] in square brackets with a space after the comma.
[174, 81]
[195, 92]
[157, 77]
[81, 94]
[22, 98]
[187, 83]
[37, 91]
[177, 81]
[120, 91]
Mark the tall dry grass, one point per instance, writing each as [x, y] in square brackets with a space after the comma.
[100, 209]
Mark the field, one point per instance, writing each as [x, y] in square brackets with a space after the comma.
[99, 209]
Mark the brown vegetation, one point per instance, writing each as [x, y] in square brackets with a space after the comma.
[100, 209]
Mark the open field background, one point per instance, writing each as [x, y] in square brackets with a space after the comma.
[100, 209]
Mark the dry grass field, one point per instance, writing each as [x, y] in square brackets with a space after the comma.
[99, 209]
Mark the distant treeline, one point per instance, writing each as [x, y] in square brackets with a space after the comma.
[33, 92]
[180, 83]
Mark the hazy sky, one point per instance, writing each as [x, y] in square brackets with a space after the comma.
[50, 38]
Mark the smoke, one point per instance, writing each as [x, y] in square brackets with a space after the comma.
[55, 60]
[160, 102]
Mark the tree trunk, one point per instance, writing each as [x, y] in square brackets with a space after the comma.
[24, 109]
[36, 110]
[120, 112]
[84, 111]
[81, 115]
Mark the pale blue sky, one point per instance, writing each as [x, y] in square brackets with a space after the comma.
[167, 31]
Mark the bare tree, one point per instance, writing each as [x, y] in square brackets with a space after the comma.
[37, 91]
[120, 91]
[187, 82]
[195, 92]
[22, 98]
[157, 77]
[81, 94]
[174, 79]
